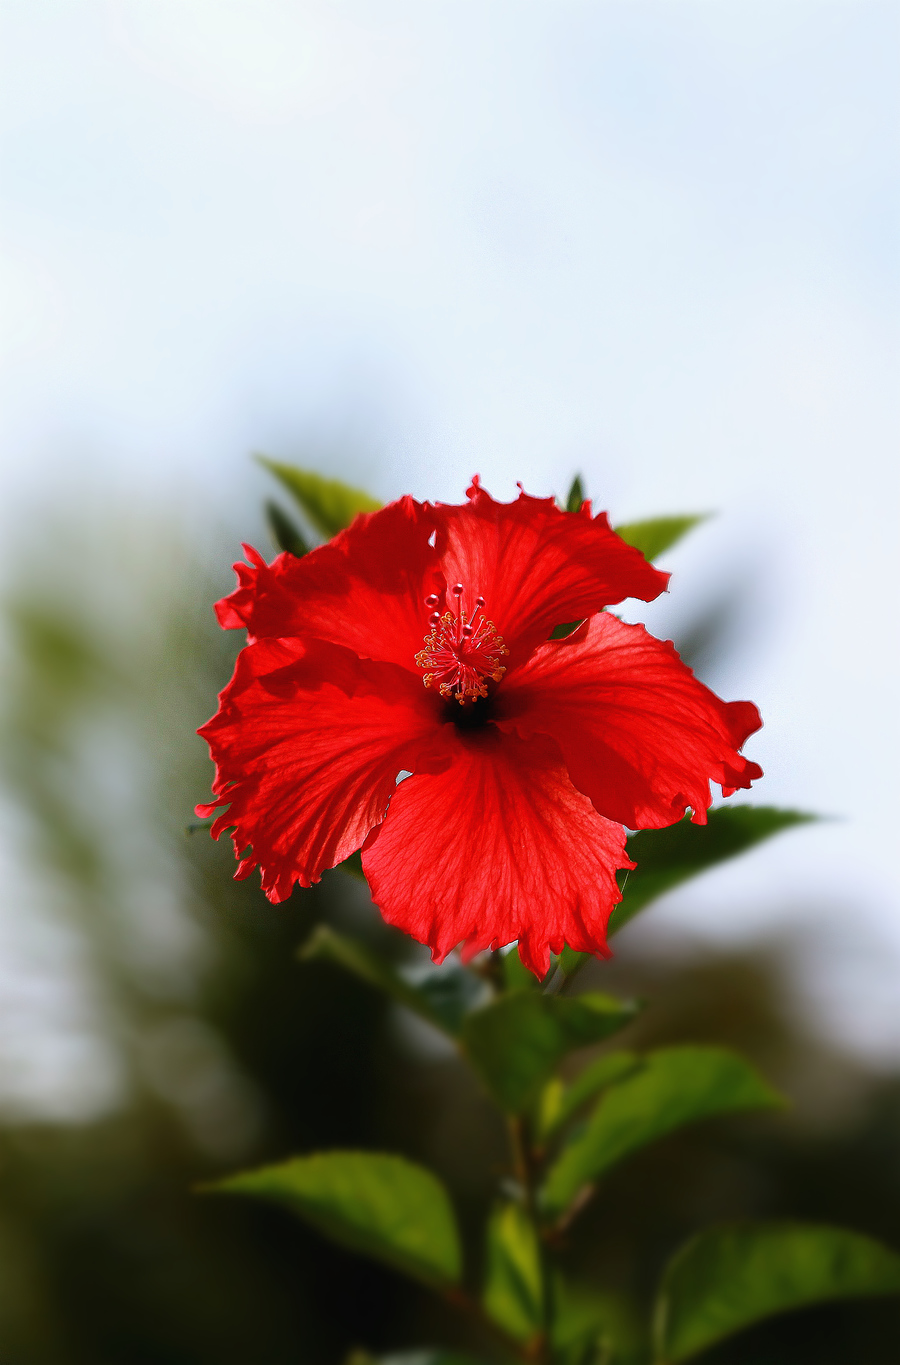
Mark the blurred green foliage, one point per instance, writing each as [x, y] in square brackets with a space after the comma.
[221, 1049]
[726, 1278]
[669, 1088]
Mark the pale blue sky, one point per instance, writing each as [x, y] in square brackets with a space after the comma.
[653, 240]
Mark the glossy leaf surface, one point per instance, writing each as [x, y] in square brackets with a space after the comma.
[653, 537]
[666, 857]
[383, 1206]
[674, 1087]
[329, 504]
[513, 1295]
[727, 1278]
[515, 1042]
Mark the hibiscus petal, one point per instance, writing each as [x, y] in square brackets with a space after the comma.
[365, 589]
[308, 742]
[536, 566]
[640, 735]
[496, 847]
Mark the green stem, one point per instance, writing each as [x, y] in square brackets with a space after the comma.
[524, 1167]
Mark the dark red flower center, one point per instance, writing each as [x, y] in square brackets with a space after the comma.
[462, 651]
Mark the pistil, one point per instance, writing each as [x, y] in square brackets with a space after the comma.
[462, 652]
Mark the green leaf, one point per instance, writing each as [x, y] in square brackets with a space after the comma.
[563, 631]
[329, 504]
[515, 1042]
[353, 866]
[513, 1292]
[727, 1278]
[576, 495]
[285, 534]
[560, 1103]
[666, 857]
[442, 995]
[659, 534]
[383, 1206]
[675, 1086]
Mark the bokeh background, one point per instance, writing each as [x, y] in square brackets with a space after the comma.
[656, 243]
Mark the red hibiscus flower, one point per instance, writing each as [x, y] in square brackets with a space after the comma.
[417, 642]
